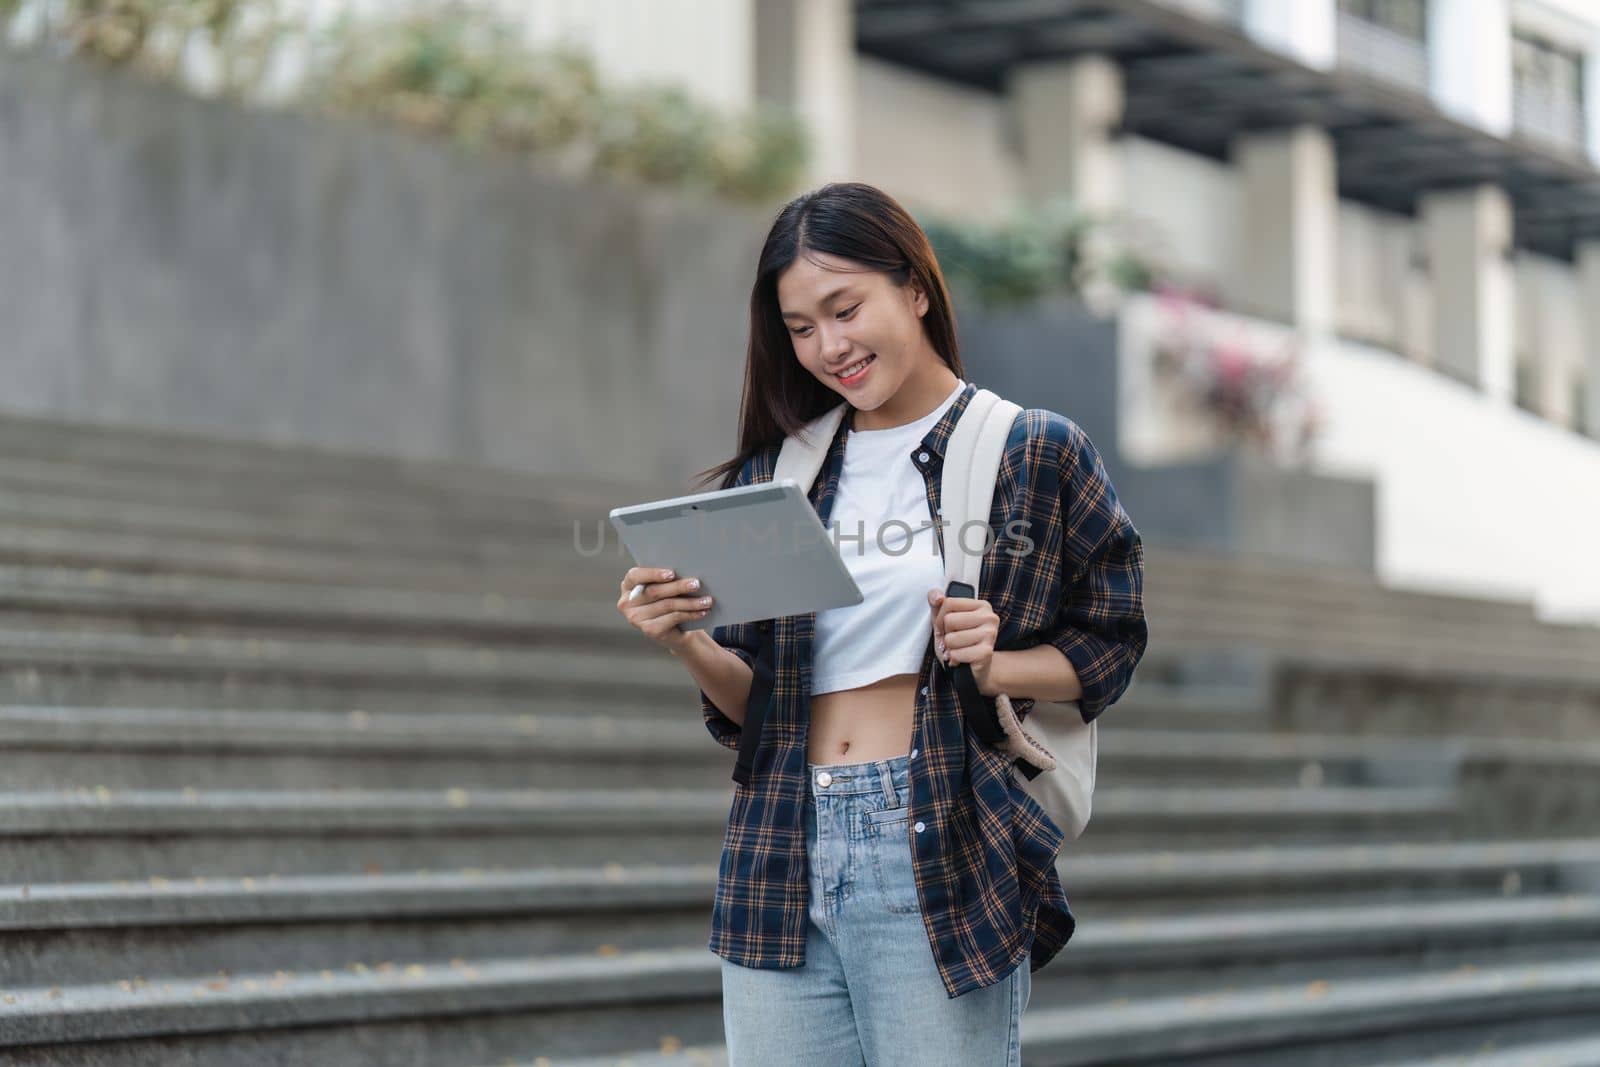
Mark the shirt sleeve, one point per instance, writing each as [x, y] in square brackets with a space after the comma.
[1099, 624]
[743, 639]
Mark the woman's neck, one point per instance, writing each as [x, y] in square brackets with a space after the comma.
[919, 395]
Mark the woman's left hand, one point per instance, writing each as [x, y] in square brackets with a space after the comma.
[964, 631]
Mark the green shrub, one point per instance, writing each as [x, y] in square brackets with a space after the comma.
[1039, 250]
[460, 70]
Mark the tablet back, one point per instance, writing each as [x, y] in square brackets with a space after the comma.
[760, 550]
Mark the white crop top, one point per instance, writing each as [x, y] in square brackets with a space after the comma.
[883, 528]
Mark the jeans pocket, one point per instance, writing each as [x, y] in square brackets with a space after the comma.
[889, 837]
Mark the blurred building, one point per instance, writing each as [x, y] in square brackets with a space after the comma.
[1408, 185]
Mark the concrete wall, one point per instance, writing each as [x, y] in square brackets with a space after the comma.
[177, 262]
[905, 129]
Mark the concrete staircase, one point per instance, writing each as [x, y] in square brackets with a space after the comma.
[311, 758]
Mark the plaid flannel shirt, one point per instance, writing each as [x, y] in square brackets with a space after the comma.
[985, 863]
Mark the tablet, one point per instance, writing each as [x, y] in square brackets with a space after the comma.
[759, 550]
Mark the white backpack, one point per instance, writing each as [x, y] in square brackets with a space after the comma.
[1056, 756]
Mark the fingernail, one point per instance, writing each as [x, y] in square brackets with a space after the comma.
[670, 576]
[694, 583]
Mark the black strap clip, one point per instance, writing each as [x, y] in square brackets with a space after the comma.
[760, 702]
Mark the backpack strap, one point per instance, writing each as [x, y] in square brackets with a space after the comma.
[805, 450]
[966, 493]
[966, 488]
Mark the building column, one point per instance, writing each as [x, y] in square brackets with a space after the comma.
[1591, 95]
[805, 62]
[1468, 233]
[1589, 307]
[1305, 30]
[1289, 228]
[1469, 61]
[1067, 115]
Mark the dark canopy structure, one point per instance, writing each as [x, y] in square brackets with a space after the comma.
[1196, 83]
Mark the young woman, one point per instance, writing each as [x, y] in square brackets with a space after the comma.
[887, 886]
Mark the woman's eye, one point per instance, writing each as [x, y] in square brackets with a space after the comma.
[851, 310]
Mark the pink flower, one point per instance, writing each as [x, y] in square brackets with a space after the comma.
[1232, 365]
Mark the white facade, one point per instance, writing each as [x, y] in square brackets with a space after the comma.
[1473, 497]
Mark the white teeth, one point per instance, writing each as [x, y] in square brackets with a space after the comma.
[854, 368]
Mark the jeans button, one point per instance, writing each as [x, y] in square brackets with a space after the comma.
[823, 778]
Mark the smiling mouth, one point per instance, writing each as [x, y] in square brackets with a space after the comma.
[858, 367]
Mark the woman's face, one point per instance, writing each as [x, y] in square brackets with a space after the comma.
[839, 315]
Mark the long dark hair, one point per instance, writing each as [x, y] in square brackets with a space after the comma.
[854, 221]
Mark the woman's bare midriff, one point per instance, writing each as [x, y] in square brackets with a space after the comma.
[869, 722]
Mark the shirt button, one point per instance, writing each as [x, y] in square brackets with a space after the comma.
[924, 690]
[824, 778]
[923, 456]
[913, 753]
[919, 827]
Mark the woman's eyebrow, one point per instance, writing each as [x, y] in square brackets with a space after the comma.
[824, 301]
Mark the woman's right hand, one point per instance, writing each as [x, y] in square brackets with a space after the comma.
[662, 603]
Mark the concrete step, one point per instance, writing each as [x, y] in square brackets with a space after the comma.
[95, 458]
[1165, 883]
[1140, 957]
[97, 834]
[1473, 649]
[1343, 1023]
[122, 748]
[513, 502]
[109, 666]
[555, 671]
[1195, 576]
[92, 933]
[1189, 577]
[106, 835]
[55, 599]
[165, 926]
[359, 1015]
[64, 599]
[52, 685]
[1104, 889]
[396, 539]
[1153, 817]
[148, 452]
[556, 999]
[1569, 1052]
[143, 552]
[142, 748]
[1443, 644]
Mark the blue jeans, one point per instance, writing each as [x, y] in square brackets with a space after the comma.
[869, 993]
